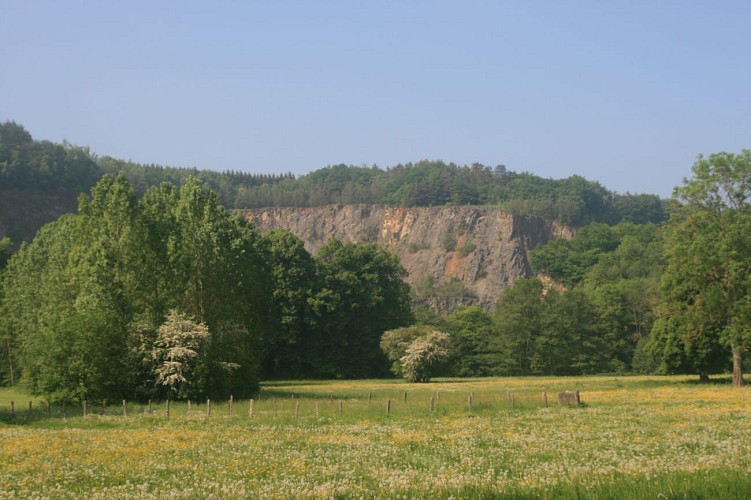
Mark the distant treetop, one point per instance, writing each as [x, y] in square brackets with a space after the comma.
[573, 200]
[43, 165]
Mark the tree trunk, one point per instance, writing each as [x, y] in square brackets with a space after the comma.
[738, 368]
[703, 378]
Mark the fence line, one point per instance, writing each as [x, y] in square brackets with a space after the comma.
[306, 406]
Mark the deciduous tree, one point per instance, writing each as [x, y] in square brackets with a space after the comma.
[707, 285]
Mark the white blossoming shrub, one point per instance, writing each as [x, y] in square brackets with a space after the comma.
[176, 351]
[424, 355]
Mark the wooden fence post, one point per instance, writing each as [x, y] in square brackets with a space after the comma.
[208, 407]
[469, 402]
[29, 409]
[388, 407]
[167, 407]
[341, 407]
[370, 397]
[125, 409]
[405, 397]
[432, 404]
[318, 409]
[13, 411]
[187, 412]
[250, 409]
[149, 407]
[545, 399]
[229, 405]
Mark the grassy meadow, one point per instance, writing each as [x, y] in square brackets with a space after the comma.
[633, 437]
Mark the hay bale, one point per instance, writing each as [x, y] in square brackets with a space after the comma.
[569, 398]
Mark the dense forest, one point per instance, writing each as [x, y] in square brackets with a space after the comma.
[44, 179]
[173, 294]
[573, 201]
[154, 288]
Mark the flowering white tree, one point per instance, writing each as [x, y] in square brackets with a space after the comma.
[177, 347]
[424, 355]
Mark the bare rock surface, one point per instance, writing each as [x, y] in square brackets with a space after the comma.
[454, 255]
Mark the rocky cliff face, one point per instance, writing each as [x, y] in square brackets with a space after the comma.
[454, 255]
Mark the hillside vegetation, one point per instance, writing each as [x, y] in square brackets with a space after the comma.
[41, 180]
[168, 293]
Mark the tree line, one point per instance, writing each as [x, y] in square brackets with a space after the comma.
[148, 281]
[42, 168]
[171, 295]
[574, 200]
[591, 313]
[674, 298]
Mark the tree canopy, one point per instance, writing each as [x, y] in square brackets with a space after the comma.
[86, 306]
[40, 180]
[172, 294]
[706, 289]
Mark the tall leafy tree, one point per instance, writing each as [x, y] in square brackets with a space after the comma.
[88, 295]
[220, 278]
[624, 288]
[39, 308]
[707, 284]
[363, 294]
[569, 260]
[70, 302]
[291, 337]
[571, 341]
[544, 331]
[518, 320]
[105, 268]
[471, 331]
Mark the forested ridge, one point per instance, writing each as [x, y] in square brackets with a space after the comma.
[46, 178]
[156, 289]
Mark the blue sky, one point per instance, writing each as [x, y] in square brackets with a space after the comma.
[625, 93]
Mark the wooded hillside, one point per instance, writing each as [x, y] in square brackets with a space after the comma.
[41, 180]
[131, 291]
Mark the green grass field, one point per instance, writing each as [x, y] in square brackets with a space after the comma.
[633, 437]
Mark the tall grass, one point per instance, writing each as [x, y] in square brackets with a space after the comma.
[645, 437]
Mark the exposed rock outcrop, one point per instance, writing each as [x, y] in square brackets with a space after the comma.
[454, 255]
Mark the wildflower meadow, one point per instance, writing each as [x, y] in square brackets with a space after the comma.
[631, 437]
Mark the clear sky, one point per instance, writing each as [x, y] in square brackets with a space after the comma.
[623, 92]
